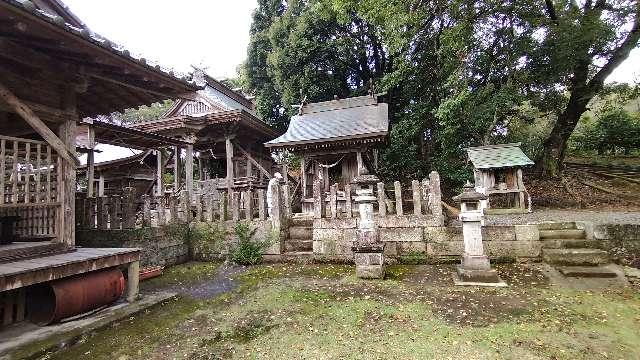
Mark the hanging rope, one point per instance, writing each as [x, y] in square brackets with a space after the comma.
[327, 166]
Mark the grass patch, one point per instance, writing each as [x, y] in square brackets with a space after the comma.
[293, 311]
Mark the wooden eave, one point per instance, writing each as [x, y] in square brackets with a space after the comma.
[333, 143]
[107, 133]
[38, 48]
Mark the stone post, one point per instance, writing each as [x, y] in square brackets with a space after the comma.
[367, 248]
[475, 268]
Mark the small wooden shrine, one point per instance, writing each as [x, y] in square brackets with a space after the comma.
[336, 140]
[498, 174]
[225, 133]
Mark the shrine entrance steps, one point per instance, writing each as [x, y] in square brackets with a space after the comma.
[567, 249]
[300, 236]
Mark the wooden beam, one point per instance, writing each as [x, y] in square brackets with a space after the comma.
[189, 171]
[229, 160]
[159, 171]
[176, 167]
[257, 164]
[40, 127]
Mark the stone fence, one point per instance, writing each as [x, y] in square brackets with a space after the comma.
[422, 198]
[129, 212]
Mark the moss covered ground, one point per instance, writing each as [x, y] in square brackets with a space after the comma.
[324, 312]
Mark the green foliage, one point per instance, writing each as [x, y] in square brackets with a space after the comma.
[248, 251]
[455, 73]
[206, 240]
[143, 113]
[616, 130]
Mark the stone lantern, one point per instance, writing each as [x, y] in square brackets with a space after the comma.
[475, 268]
[368, 250]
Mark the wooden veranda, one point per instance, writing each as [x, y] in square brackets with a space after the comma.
[53, 72]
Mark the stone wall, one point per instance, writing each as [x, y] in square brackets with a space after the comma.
[622, 241]
[421, 234]
[163, 246]
[215, 240]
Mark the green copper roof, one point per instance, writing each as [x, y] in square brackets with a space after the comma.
[498, 156]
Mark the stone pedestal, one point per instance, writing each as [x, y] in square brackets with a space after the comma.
[475, 268]
[368, 250]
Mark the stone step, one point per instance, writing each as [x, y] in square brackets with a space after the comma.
[562, 234]
[570, 244]
[575, 257]
[301, 221]
[297, 245]
[567, 225]
[587, 271]
[300, 232]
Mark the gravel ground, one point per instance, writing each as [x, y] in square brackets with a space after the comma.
[596, 217]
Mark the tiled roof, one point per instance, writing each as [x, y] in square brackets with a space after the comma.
[498, 156]
[358, 118]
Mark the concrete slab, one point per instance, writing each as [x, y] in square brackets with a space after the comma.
[556, 278]
[18, 340]
[458, 282]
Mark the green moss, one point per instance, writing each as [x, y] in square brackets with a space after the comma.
[183, 274]
[289, 311]
[397, 272]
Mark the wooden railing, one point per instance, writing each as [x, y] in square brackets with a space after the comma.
[29, 185]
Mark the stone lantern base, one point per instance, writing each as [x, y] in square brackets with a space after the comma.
[369, 261]
[476, 270]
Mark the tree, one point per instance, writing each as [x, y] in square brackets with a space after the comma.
[580, 47]
[141, 114]
[309, 50]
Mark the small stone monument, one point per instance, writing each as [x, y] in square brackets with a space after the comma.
[368, 250]
[475, 268]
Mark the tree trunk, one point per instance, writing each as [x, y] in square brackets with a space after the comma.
[550, 162]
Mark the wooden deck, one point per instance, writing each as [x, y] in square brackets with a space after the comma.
[17, 274]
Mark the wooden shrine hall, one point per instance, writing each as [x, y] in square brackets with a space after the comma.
[336, 140]
[143, 171]
[53, 72]
[226, 134]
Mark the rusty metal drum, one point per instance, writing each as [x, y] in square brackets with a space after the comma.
[60, 299]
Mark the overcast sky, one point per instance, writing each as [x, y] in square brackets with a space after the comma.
[175, 33]
[209, 33]
[214, 33]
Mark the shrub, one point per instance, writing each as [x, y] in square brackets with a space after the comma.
[248, 251]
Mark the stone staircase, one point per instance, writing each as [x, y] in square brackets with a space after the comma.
[567, 248]
[300, 237]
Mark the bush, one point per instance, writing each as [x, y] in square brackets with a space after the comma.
[247, 251]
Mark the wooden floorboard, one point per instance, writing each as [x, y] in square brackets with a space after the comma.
[26, 272]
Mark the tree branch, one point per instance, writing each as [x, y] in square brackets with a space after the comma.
[551, 11]
[619, 55]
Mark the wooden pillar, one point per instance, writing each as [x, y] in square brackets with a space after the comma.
[159, 171]
[91, 163]
[67, 187]
[303, 174]
[249, 168]
[176, 167]
[285, 172]
[188, 166]
[101, 185]
[229, 159]
[360, 163]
